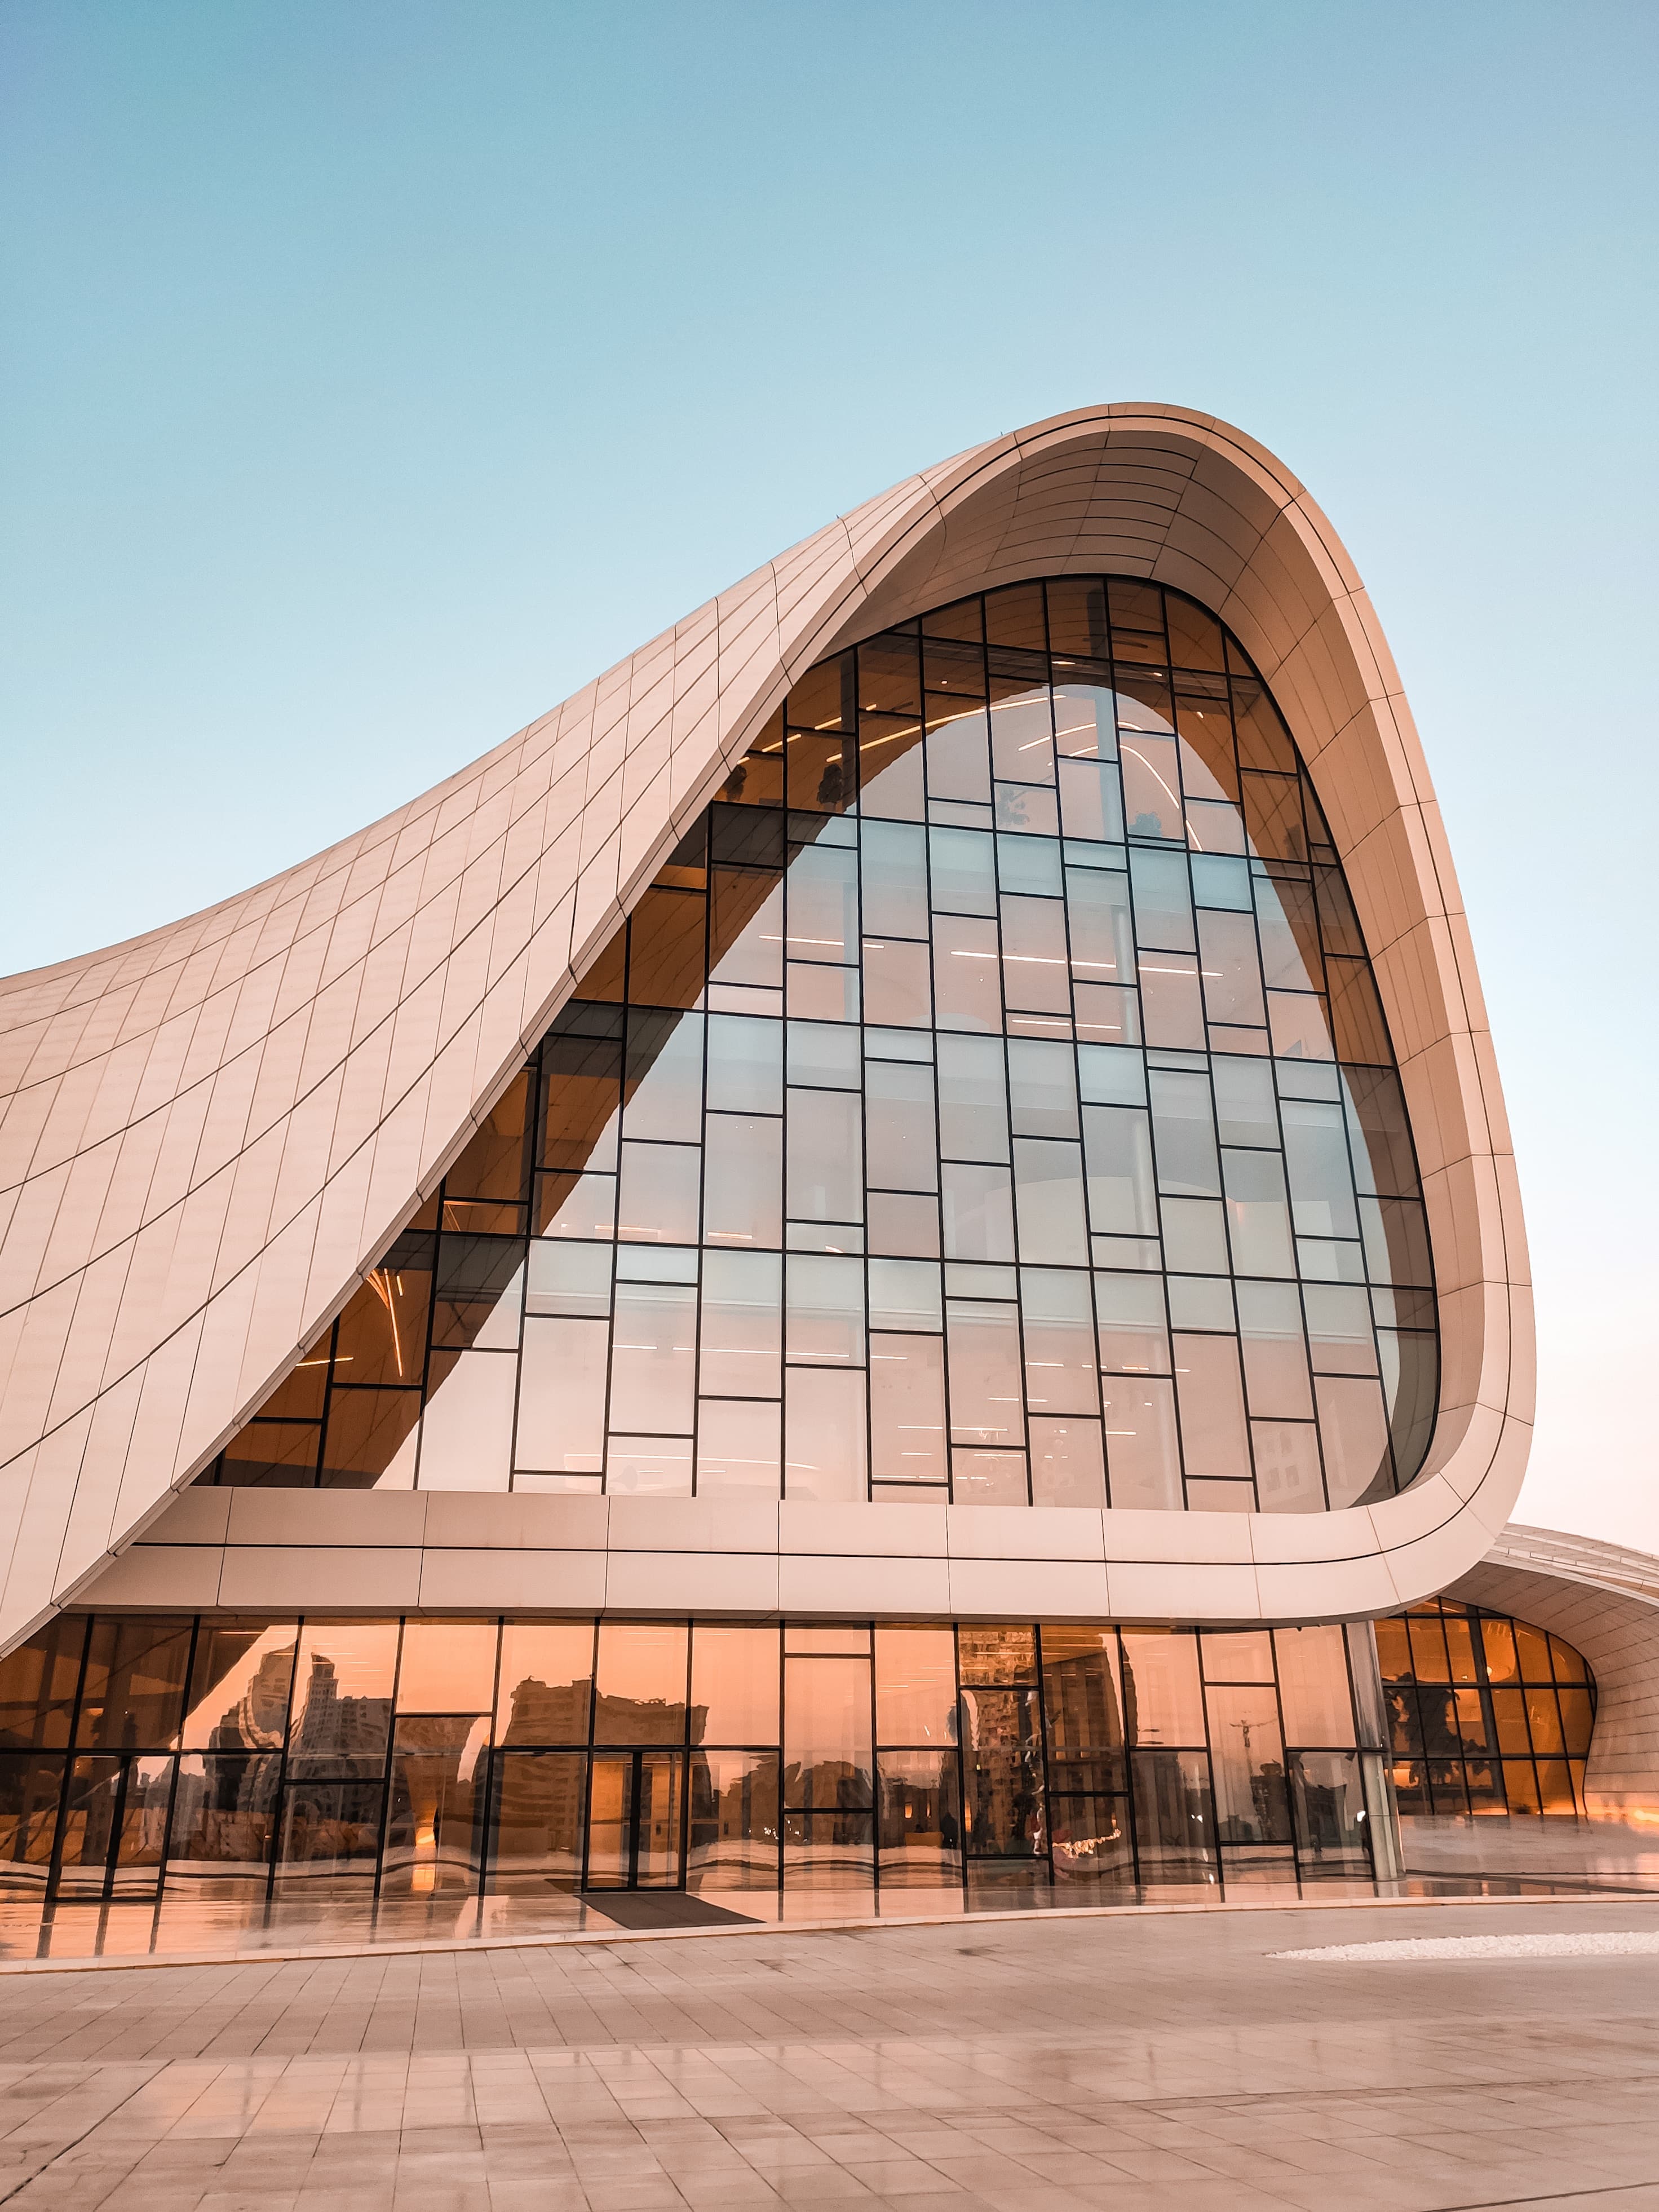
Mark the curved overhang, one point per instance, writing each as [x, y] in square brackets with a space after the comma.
[211, 1131]
[1603, 1599]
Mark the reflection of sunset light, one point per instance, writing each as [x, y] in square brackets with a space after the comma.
[379, 1282]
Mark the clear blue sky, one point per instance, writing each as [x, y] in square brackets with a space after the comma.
[374, 375]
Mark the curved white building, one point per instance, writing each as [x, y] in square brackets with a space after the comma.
[837, 1230]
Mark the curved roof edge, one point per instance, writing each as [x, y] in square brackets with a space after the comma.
[1603, 1599]
[207, 1133]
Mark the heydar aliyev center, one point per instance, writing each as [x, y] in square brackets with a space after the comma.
[881, 1255]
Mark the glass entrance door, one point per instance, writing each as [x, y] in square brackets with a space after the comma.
[634, 1820]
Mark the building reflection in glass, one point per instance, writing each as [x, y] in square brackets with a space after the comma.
[432, 1759]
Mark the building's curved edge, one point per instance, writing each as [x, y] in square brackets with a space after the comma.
[1158, 491]
[1603, 1599]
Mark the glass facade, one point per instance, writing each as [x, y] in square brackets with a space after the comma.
[989, 1100]
[1485, 1715]
[147, 1758]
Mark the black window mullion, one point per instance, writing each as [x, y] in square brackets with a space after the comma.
[55, 1867]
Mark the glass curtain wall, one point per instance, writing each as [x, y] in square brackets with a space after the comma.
[147, 1758]
[990, 1100]
[1487, 1715]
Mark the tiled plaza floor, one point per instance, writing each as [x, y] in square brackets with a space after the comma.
[1134, 2065]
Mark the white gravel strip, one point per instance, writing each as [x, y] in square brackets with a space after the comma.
[1628, 1943]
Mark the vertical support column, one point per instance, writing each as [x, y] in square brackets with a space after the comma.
[1371, 1720]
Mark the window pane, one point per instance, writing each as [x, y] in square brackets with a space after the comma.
[1163, 1703]
[239, 1694]
[546, 1681]
[734, 1685]
[134, 1694]
[1354, 1433]
[341, 1711]
[1213, 1442]
[224, 1825]
[1143, 1465]
[562, 1386]
[536, 1823]
[978, 1207]
[466, 1432]
[734, 1821]
[434, 1837]
[447, 1666]
[640, 1683]
[821, 894]
[897, 983]
[1498, 1643]
[1151, 780]
[906, 1409]
[1258, 1215]
[825, 1324]
[826, 1157]
[38, 1682]
[639, 1467]
[1275, 1353]
[824, 1435]
[1252, 1807]
[920, 1822]
[915, 1686]
[747, 936]
[1093, 1855]
[653, 1359]
[1083, 1704]
[1117, 1145]
[828, 1755]
[31, 1785]
[743, 1181]
[87, 1841]
[478, 1296]
[957, 752]
[1048, 1198]
[1575, 1721]
[581, 1097]
[1035, 959]
[895, 869]
[142, 1840]
[1321, 1187]
[973, 1099]
[745, 1064]
[1288, 1477]
[658, 1203]
[986, 1388]
[1313, 1684]
[900, 1134]
[967, 985]
[739, 1442]
[1091, 792]
[1059, 1343]
[330, 1838]
[1002, 1750]
[996, 1655]
[1068, 1464]
[382, 1332]
[1329, 1802]
[742, 1324]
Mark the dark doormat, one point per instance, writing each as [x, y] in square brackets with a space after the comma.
[661, 1908]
